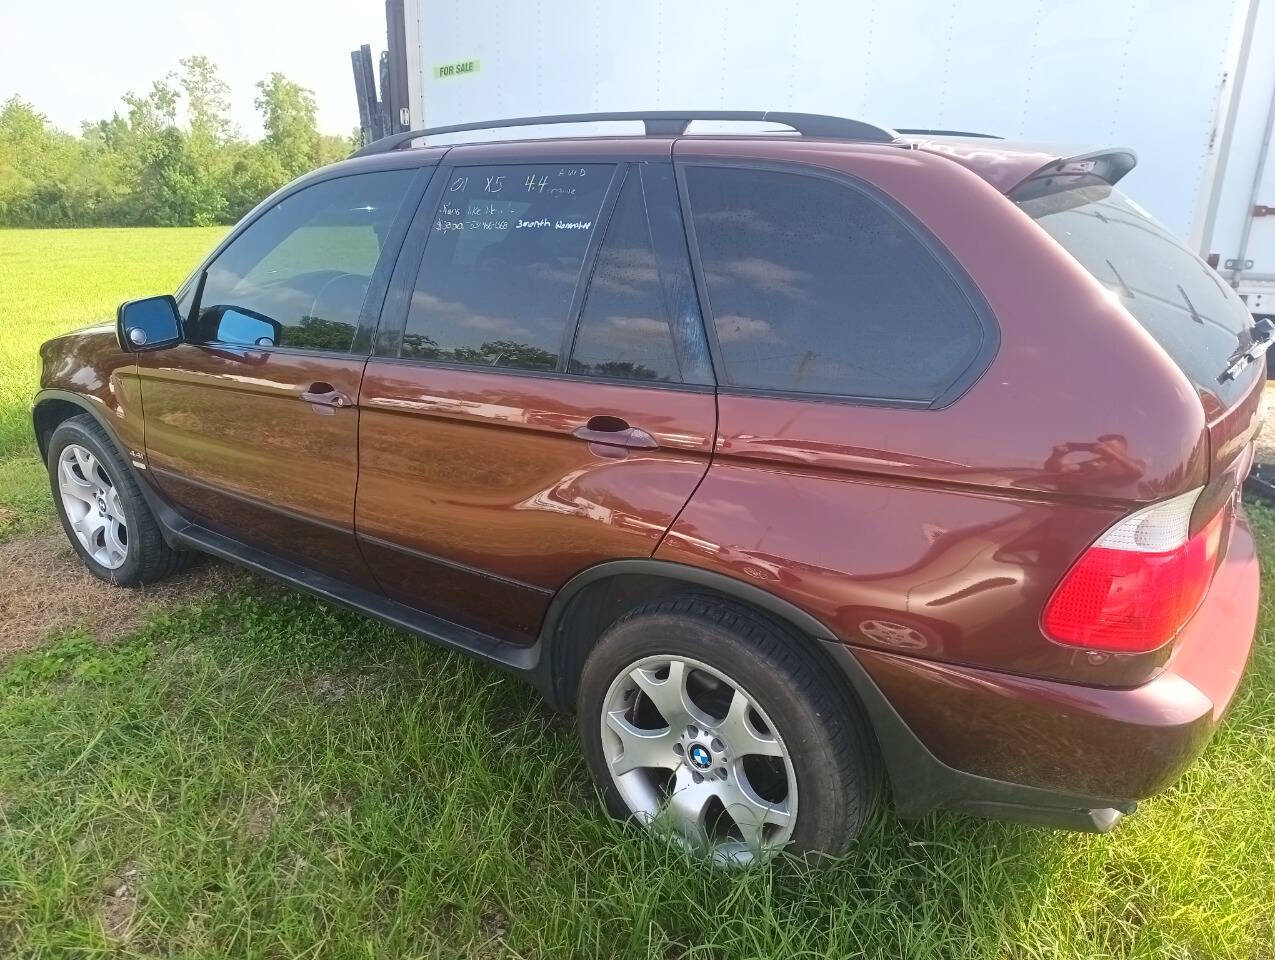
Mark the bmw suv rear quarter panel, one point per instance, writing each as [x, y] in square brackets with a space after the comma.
[956, 522]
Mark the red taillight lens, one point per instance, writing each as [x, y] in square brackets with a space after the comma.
[1135, 588]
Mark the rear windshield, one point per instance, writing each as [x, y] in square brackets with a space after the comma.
[1198, 320]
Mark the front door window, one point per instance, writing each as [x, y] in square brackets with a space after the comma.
[298, 275]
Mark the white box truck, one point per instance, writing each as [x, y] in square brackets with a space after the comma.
[1188, 84]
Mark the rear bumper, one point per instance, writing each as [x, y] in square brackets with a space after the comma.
[1057, 753]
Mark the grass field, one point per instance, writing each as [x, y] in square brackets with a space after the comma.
[249, 773]
[57, 280]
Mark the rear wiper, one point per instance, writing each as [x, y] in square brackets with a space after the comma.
[1124, 287]
[1195, 314]
[1263, 334]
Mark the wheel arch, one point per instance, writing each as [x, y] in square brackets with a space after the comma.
[52, 407]
[595, 598]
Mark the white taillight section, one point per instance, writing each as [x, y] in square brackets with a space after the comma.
[1158, 528]
[1144, 578]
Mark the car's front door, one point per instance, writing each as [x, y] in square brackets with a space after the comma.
[252, 423]
[502, 449]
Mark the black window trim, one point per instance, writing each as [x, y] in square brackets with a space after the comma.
[666, 262]
[589, 263]
[982, 311]
[412, 254]
[378, 284]
[392, 319]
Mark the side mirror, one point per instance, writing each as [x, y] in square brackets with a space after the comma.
[240, 326]
[149, 324]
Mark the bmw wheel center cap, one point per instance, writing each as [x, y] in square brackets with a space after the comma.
[699, 756]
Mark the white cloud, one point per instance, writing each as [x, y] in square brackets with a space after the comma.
[636, 330]
[766, 275]
[734, 327]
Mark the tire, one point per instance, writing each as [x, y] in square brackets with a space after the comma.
[145, 557]
[827, 751]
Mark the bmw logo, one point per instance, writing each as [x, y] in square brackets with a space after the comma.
[699, 756]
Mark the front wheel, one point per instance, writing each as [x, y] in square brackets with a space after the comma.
[702, 719]
[101, 507]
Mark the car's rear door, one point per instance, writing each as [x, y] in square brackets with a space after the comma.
[252, 424]
[503, 450]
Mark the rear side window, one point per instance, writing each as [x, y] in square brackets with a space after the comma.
[624, 327]
[501, 264]
[297, 276]
[1196, 317]
[816, 287]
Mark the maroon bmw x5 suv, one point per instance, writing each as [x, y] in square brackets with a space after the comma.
[797, 465]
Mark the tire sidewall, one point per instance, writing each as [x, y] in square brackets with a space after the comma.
[829, 811]
[75, 431]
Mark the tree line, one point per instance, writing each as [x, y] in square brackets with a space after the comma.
[171, 158]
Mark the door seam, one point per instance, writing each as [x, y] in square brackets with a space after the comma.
[712, 454]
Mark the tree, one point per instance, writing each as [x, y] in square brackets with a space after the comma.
[38, 168]
[169, 156]
[319, 333]
[288, 114]
[207, 101]
[333, 148]
[208, 162]
[173, 186]
[251, 175]
[155, 111]
[510, 353]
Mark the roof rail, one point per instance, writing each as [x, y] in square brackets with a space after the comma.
[661, 123]
[921, 132]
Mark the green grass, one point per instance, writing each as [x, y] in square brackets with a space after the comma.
[258, 775]
[52, 281]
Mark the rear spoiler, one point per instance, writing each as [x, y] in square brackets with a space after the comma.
[1101, 166]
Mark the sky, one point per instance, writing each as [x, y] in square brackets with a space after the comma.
[73, 59]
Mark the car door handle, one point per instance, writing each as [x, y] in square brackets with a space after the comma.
[615, 432]
[327, 395]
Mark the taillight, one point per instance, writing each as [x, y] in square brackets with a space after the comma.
[1136, 587]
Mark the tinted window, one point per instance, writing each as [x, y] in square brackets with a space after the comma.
[501, 264]
[298, 275]
[1196, 317]
[816, 287]
[624, 328]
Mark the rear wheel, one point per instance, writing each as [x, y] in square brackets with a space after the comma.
[102, 509]
[702, 719]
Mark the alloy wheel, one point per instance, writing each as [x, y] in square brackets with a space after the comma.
[92, 505]
[691, 751]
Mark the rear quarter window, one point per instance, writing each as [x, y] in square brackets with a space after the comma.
[816, 287]
[1181, 301]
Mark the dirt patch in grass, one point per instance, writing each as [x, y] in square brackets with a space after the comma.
[119, 902]
[328, 687]
[260, 817]
[45, 589]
